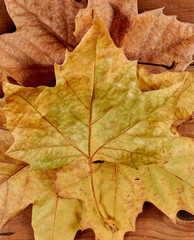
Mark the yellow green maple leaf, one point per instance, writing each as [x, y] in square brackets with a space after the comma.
[97, 112]
[95, 106]
[52, 217]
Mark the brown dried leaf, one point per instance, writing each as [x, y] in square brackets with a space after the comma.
[44, 31]
[150, 37]
[106, 13]
[84, 18]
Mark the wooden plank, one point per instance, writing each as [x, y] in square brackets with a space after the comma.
[152, 224]
[187, 128]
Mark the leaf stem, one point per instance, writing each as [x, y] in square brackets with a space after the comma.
[110, 223]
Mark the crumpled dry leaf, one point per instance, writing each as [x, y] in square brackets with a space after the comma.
[53, 218]
[44, 31]
[150, 82]
[96, 112]
[150, 37]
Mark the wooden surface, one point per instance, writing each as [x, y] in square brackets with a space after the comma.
[151, 224]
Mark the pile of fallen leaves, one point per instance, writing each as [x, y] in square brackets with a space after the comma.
[90, 149]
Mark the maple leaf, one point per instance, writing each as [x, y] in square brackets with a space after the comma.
[97, 112]
[40, 39]
[150, 37]
[52, 216]
[95, 103]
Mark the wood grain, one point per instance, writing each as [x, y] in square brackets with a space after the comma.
[152, 224]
